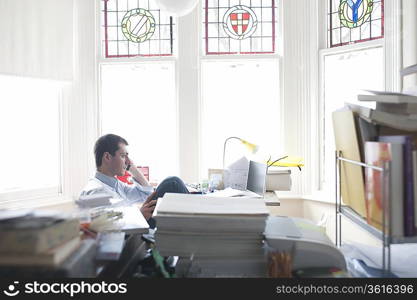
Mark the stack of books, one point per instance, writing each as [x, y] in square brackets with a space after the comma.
[221, 236]
[36, 238]
[387, 133]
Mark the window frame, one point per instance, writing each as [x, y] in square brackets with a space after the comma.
[203, 57]
[140, 59]
[188, 44]
[35, 197]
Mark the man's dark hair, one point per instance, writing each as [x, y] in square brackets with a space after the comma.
[107, 143]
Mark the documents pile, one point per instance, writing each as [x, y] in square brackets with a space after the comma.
[220, 236]
[36, 238]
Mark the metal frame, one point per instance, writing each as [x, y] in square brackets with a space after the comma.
[386, 235]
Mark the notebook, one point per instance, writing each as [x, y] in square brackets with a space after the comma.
[257, 177]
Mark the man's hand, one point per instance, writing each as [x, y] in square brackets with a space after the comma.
[148, 206]
[136, 173]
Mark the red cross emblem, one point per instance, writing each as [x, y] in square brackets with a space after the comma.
[240, 22]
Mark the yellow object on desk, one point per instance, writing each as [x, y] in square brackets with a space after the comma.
[289, 161]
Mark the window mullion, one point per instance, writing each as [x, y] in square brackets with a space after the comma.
[188, 95]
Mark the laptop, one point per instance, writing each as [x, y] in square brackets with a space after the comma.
[257, 178]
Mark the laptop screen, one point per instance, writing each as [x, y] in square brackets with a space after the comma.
[257, 177]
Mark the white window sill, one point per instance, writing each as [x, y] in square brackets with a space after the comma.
[320, 196]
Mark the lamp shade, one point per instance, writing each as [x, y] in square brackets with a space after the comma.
[252, 147]
[177, 7]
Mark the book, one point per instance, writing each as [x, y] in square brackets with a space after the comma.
[31, 234]
[415, 187]
[402, 122]
[51, 257]
[396, 98]
[376, 153]
[278, 180]
[80, 264]
[352, 178]
[367, 132]
[95, 200]
[397, 108]
[408, 146]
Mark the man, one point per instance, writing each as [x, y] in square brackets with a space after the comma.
[112, 159]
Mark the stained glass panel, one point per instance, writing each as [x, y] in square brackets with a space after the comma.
[239, 26]
[136, 28]
[354, 21]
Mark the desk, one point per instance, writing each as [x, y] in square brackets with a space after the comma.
[271, 199]
[134, 250]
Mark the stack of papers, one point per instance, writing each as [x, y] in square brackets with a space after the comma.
[95, 200]
[229, 192]
[217, 233]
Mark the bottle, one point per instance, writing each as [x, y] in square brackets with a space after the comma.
[205, 186]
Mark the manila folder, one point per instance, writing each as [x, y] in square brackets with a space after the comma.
[352, 179]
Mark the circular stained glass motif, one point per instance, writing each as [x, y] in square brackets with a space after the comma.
[353, 13]
[240, 22]
[138, 25]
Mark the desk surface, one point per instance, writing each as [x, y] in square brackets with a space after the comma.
[271, 199]
[131, 222]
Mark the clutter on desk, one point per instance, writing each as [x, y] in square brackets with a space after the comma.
[105, 220]
[41, 238]
[216, 180]
[236, 174]
[96, 200]
[127, 219]
[223, 235]
[79, 264]
[278, 179]
[229, 192]
[240, 175]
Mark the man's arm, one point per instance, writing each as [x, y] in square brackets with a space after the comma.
[137, 174]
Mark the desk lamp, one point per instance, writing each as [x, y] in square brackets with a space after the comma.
[252, 147]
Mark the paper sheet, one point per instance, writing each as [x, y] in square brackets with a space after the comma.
[236, 174]
[229, 192]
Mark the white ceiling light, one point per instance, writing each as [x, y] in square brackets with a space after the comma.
[177, 7]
